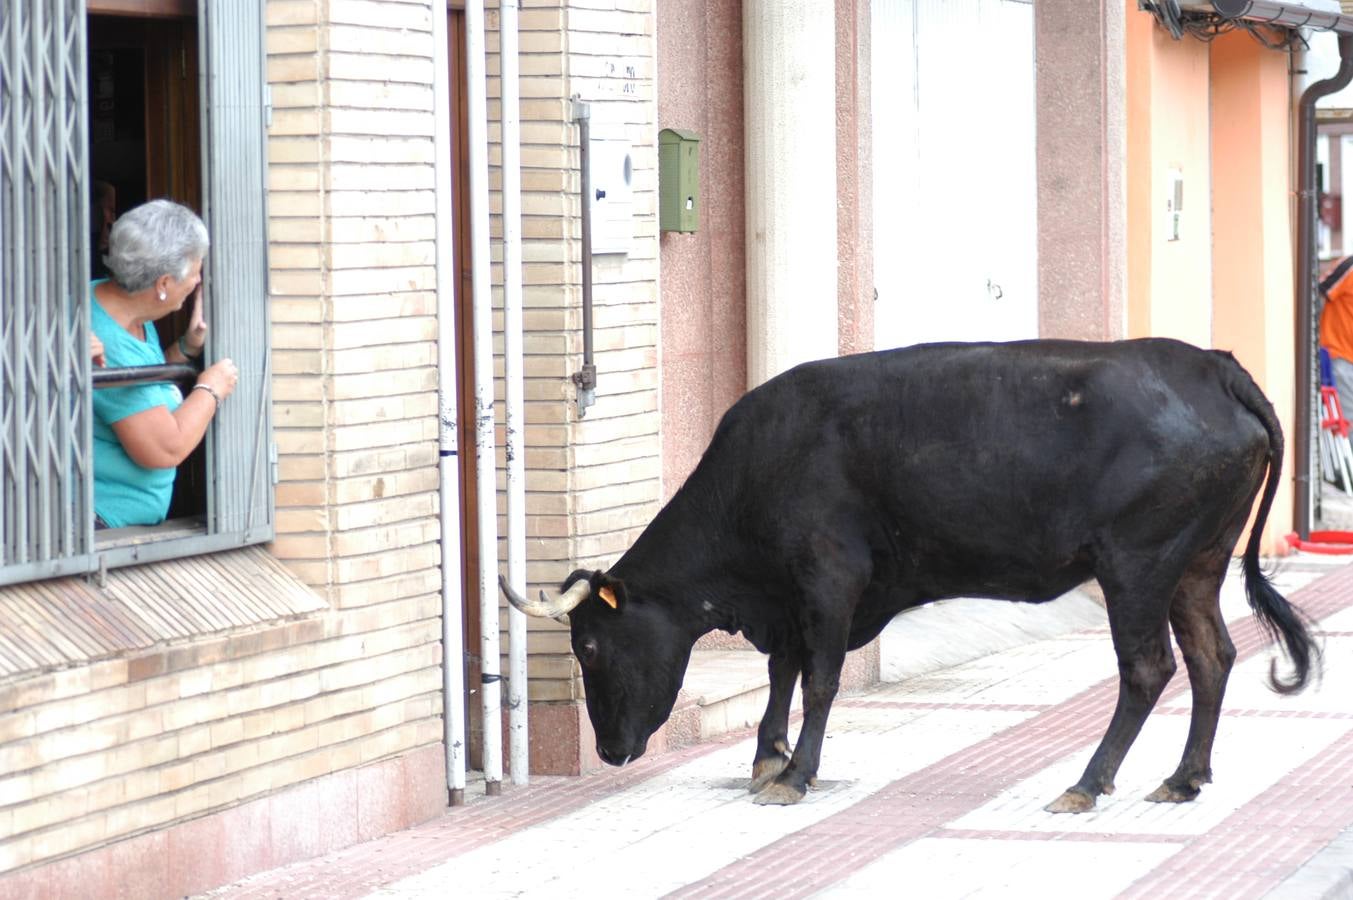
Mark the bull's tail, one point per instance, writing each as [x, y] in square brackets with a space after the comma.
[1279, 619]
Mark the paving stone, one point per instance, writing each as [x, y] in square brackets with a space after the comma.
[932, 787]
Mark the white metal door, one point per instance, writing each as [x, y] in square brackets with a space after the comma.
[955, 198]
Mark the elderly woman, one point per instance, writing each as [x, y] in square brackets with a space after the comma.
[142, 433]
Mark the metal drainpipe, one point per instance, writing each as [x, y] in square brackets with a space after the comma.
[448, 488]
[517, 699]
[1306, 278]
[486, 474]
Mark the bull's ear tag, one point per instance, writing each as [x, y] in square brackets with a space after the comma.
[608, 597]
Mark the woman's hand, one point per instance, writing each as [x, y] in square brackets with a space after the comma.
[96, 351]
[195, 338]
[221, 377]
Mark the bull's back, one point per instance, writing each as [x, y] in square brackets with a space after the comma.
[1002, 461]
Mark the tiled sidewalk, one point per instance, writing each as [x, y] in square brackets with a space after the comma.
[935, 785]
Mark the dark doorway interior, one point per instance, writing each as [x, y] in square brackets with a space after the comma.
[145, 143]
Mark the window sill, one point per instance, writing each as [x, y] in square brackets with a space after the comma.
[63, 622]
[136, 535]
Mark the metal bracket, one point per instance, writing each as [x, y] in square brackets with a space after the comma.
[586, 378]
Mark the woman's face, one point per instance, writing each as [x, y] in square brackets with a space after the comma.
[177, 292]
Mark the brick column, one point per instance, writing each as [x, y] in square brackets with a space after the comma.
[1082, 149]
[855, 179]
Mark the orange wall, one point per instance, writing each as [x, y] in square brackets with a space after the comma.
[1253, 260]
[1169, 282]
[1220, 114]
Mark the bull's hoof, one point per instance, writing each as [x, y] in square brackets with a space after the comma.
[764, 772]
[778, 794]
[1168, 793]
[1073, 801]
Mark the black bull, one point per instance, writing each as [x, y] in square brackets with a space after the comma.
[844, 491]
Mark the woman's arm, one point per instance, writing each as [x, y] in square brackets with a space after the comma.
[158, 439]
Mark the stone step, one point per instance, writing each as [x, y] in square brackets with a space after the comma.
[729, 688]
[724, 690]
[950, 632]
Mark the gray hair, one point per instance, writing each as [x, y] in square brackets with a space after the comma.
[156, 238]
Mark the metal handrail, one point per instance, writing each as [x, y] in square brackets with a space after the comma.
[126, 376]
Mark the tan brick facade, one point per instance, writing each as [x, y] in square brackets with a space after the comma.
[114, 749]
[353, 277]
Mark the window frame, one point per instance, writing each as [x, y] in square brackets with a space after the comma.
[45, 474]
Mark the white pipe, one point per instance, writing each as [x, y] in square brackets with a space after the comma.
[517, 699]
[485, 461]
[453, 625]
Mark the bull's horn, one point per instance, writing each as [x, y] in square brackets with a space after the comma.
[553, 607]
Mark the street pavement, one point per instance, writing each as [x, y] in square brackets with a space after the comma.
[933, 787]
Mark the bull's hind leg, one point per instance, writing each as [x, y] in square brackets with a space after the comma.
[1138, 611]
[1195, 616]
[772, 738]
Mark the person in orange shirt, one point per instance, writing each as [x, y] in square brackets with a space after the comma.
[1336, 328]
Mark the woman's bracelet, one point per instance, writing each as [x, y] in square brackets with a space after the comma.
[183, 348]
[210, 390]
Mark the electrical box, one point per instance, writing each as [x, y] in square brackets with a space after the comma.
[611, 168]
[678, 180]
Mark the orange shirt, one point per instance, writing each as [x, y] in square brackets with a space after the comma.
[1336, 321]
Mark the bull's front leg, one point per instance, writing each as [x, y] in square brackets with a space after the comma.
[821, 679]
[772, 738]
[831, 572]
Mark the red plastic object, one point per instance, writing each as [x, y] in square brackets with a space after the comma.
[1332, 543]
[1332, 413]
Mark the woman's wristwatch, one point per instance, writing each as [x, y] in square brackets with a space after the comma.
[183, 348]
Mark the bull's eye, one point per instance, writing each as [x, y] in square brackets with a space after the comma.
[587, 651]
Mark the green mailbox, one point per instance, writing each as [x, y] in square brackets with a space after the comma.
[678, 180]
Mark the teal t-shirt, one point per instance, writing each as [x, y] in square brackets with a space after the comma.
[126, 493]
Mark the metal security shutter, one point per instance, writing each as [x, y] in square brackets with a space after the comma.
[240, 500]
[46, 488]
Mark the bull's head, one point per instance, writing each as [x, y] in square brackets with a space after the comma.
[633, 658]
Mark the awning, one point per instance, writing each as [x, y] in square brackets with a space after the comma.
[1322, 15]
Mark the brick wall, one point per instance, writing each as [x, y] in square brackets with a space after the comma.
[352, 251]
[118, 748]
[593, 483]
[354, 286]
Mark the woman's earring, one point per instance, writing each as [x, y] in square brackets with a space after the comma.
[163, 296]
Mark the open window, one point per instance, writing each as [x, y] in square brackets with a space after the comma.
[152, 98]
